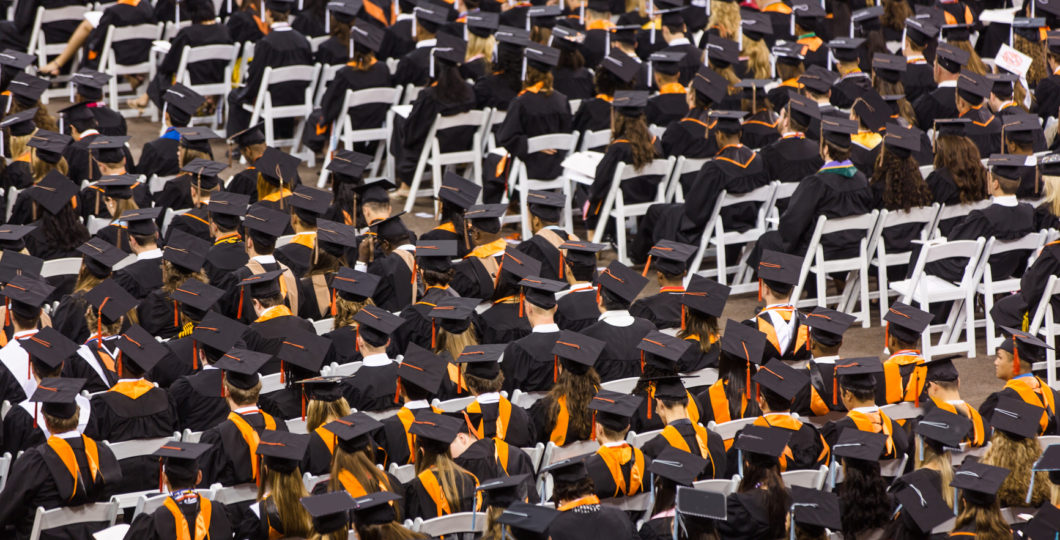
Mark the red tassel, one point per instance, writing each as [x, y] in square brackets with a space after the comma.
[522, 300]
[748, 382]
[195, 355]
[642, 361]
[759, 289]
[835, 387]
[434, 335]
[99, 321]
[283, 373]
[597, 294]
[646, 266]
[916, 392]
[592, 431]
[500, 268]
[357, 338]
[397, 390]
[459, 381]
[119, 364]
[758, 391]
[562, 263]
[1015, 359]
[34, 416]
[239, 310]
[684, 324]
[886, 334]
[160, 475]
[555, 368]
[414, 271]
[333, 302]
[7, 312]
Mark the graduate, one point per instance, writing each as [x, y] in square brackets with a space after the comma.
[671, 266]
[787, 60]
[183, 508]
[670, 104]
[481, 371]
[673, 470]
[776, 385]
[144, 275]
[88, 89]
[25, 295]
[263, 226]
[863, 499]
[856, 382]
[817, 85]
[373, 388]
[793, 156]
[780, 320]
[394, 264]
[45, 476]
[825, 339]
[577, 309]
[904, 371]
[301, 354]
[413, 67]
[300, 254]
[228, 252]
[618, 71]
[730, 397]
[852, 82]
[942, 387]
[182, 260]
[324, 405]
[485, 456]
[617, 469]
[923, 506]
[45, 155]
[581, 513]
[670, 402]
[942, 102]
[435, 270]
[97, 259]
[250, 145]
[191, 302]
[526, 360]
[546, 208]
[504, 321]
[263, 294]
[203, 182]
[758, 507]
[441, 487]
[110, 308]
[661, 354]
[420, 376]
[233, 457]
[199, 398]
[689, 136]
[330, 513]
[192, 145]
[277, 514]
[160, 156]
[985, 128]
[456, 196]
[351, 292]
[49, 355]
[919, 77]
[1047, 91]
[454, 326]
[701, 305]
[355, 454]
[20, 126]
[476, 276]
[1012, 364]
[618, 286]
[561, 416]
[980, 514]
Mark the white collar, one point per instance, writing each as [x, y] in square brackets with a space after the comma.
[72, 434]
[127, 380]
[948, 84]
[88, 133]
[426, 43]
[915, 58]
[418, 404]
[489, 397]
[376, 360]
[550, 328]
[265, 259]
[581, 286]
[149, 254]
[556, 228]
[281, 26]
[826, 359]
[678, 41]
[407, 247]
[206, 366]
[617, 444]
[1006, 200]
[23, 334]
[955, 401]
[618, 317]
[247, 409]
[867, 410]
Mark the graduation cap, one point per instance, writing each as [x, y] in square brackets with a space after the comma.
[449, 49]
[1017, 418]
[486, 217]
[951, 126]
[922, 501]
[27, 89]
[942, 429]
[902, 141]
[481, 23]
[781, 379]
[277, 167]
[528, 517]
[376, 325]
[779, 271]
[353, 430]
[845, 49]
[241, 367]
[49, 347]
[264, 285]
[576, 352]
[857, 373]
[110, 300]
[670, 257]
[436, 255]
[335, 238]
[705, 296]
[182, 102]
[196, 298]
[15, 264]
[625, 33]
[630, 102]
[763, 441]
[545, 204]
[979, 481]
[482, 361]
[540, 291]
[322, 388]
[973, 87]
[310, 201]
[743, 342]
[722, 52]
[728, 121]
[678, 466]
[252, 135]
[377, 191]
[304, 349]
[862, 445]
[204, 172]
[181, 458]
[838, 130]
[807, 9]
[391, 228]
[867, 18]
[567, 38]
[282, 451]
[951, 58]
[218, 332]
[53, 192]
[15, 59]
[756, 25]
[816, 508]
[109, 148]
[1044, 524]
[666, 61]
[118, 186]
[511, 35]
[421, 368]
[77, 115]
[889, 66]
[662, 350]
[375, 508]
[367, 36]
[196, 138]
[186, 251]
[710, 85]
[818, 79]
[280, 6]
[430, 15]
[458, 191]
[621, 65]
[802, 109]
[226, 207]
[1009, 166]
[12, 236]
[1002, 83]
[49, 145]
[613, 410]
[503, 491]
[354, 285]
[453, 314]
[344, 10]
[267, 221]
[435, 427]
[581, 253]
[139, 346]
[330, 511]
[621, 281]
[828, 325]
[1029, 28]
[570, 470]
[941, 368]
[789, 53]
[920, 31]
[1020, 128]
[58, 396]
[20, 123]
[956, 32]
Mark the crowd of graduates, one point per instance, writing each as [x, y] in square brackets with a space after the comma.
[194, 292]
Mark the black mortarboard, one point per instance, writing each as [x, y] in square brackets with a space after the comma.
[27, 89]
[756, 25]
[923, 502]
[304, 349]
[454, 313]
[352, 430]
[186, 251]
[368, 36]
[818, 79]
[264, 285]
[1049, 165]
[902, 141]
[780, 271]
[503, 491]
[710, 85]
[920, 31]
[722, 52]
[889, 66]
[973, 87]
[196, 138]
[670, 257]
[436, 255]
[944, 428]
[118, 186]
[482, 360]
[613, 410]
[283, 451]
[430, 16]
[541, 292]
[908, 322]
[218, 332]
[1020, 128]
[391, 228]
[1016, 418]
[630, 102]
[763, 440]
[565, 38]
[845, 49]
[486, 217]
[458, 191]
[1028, 28]
[49, 347]
[111, 299]
[252, 135]
[53, 192]
[783, 380]
[354, 285]
[862, 445]
[58, 396]
[196, 297]
[626, 33]
[982, 480]
[139, 346]
[951, 58]
[377, 190]
[241, 367]
[20, 123]
[581, 253]
[182, 101]
[540, 57]
[728, 121]
[280, 6]
[1024, 345]
[802, 109]
[348, 165]
[838, 130]
[267, 221]
[181, 458]
[77, 115]
[677, 466]
[27, 294]
[742, 341]
[667, 61]
[49, 145]
[226, 207]
[375, 508]
[941, 368]
[278, 167]
[334, 237]
[323, 388]
[956, 32]
[621, 281]
[109, 148]
[1009, 166]
[662, 349]
[15, 59]
[815, 508]
[577, 352]
[787, 52]
[1044, 524]
[376, 325]
[510, 35]
[310, 202]
[705, 296]
[807, 9]
[1001, 83]
[951, 126]
[450, 48]
[858, 373]
[621, 65]
[482, 23]
[12, 236]
[141, 222]
[568, 471]
[330, 511]
[828, 325]
[545, 204]
[421, 368]
[867, 18]
[204, 172]
[435, 427]
[15, 264]
[528, 517]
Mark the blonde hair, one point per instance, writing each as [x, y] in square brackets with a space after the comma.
[92, 319]
[757, 57]
[346, 310]
[454, 343]
[974, 63]
[16, 145]
[361, 467]
[725, 16]
[173, 277]
[495, 530]
[478, 46]
[86, 281]
[937, 462]
[1052, 194]
[40, 168]
[320, 412]
[1018, 457]
[121, 205]
[286, 491]
[445, 469]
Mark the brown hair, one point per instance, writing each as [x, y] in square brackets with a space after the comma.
[386, 531]
[989, 523]
[445, 469]
[757, 57]
[16, 144]
[454, 343]
[61, 425]
[86, 281]
[579, 391]
[1018, 457]
[346, 310]
[361, 467]
[725, 16]
[286, 491]
[481, 385]
[959, 155]
[903, 187]
[635, 131]
[319, 412]
[702, 326]
[1036, 50]
[895, 12]
[534, 76]
[40, 168]
[887, 88]
[92, 319]
[243, 397]
[974, 63]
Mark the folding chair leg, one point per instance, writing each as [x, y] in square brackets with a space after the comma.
[866, 313]
[969, 325]
[822, 287]
[568, 214]
[720, 263]
[379, 147]
[952, 328]
[620, 236]
[881, 281]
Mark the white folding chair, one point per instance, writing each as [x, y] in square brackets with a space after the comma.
[228, 53]
[148, 503]
[245, 56]
[989, 287]
[311, 480]
[497, 116]
[12, 196]
[703, 377]
[535, 453]
[410, 94]
[901, 411]
[95, 224]
[403, 473]
[270, 383]
[718, 239]
[284, 240]
[327, 74]
[807, 478]
[725, 486]
[555, 454]
[956, 458]
[108, 63]
[45, 51]
[856, 267]
[623, 386]
[926, 289]
[316, 41]
[784, 191]
[297, 425]
[382, 415]
[1043, 313]
[102, 513]
[728, 430]
[234, 494]
[264, 109]
[432, 153]
[67, 266]
[138, 447]
[883, 259]
[950, 211]
[1045, 441]
[344, 370]
[684, 165]
[562, 143]
[191, 436]
[526, 399]
[5, 468]
[594, 139]
[452, 524]
[614, 205]
[343, 128]
[453, 405]
[637, 440]
[167, 220]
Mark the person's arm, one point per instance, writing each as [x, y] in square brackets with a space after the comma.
[801, 212]
[512, 135]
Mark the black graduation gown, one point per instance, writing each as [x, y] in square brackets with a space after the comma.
[243, 26]
[394, 438]
[484, 460]
[38, 478]
[635, 190]
[296, 256]
[545, 423]
[833, 429]
[443, 232]
[696, 359]
[414, 67]
[984, 130]
[119, 15]
[91, 201]
[228, 460]
[283, 46]
[588, 521]
[175, 194]
[160, 156]
[159, 314]
[759, 130]
[471, 279]
[350, 78]
[808, 449]
[230, 301]
[78, 367]
[501, 323]
[688, 137]
[209, 72]
[111, 123]
[573, 83]
[344, 342]
[520, 428]
[665, 108]
[398, 38]
[593, 114]
[19, 433]
[848, 88]
[577, 310]
[283, 404]
[999, 221]
[411, 134]
[419, 503]
[245, 182]
[495, 90]
[161, 524]
[117, 416]
[918, 79]
[16, 175]
[541, 250]
[195, 222]
[662, 309]
[715, 467]
[620, 357]
[395, 287]
[939, 103]
[267, 337]
[69, 317]
[372, 388]
[528, 362]
[1047, 94]
[1009, 311]
[791, 158]
[746, 516]
[198, 400]
[332, 52]
[532, 114]
[140, 277]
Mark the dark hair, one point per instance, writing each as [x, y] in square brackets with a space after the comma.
[571, 59]
[860, 394]
[509, 64]
[567, 491]
[1006, 185]
[611, 300]
[863, 500]
[263, 243]
[199, 11]
[895, 12]
[581, 272]
[903, 187]
[634, 129]
[451, 87]
[535, 76]
[64, 230]
[960, 156]
[270, 301]
[836, 153]
[775, 401]
[607, 83]
[578, 391]
[762, 472]
[433, 277]
[180, 480]
[733, 370]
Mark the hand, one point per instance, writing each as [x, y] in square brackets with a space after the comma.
[51, 68]
[550, 151]
[364, 250]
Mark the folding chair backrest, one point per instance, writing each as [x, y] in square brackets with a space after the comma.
[594, 139]
[138, 447]
[1052, 288]
[327, 74]
[369, 96]
[763, 195]
[901, 411]
[454, 524]
[345, 370]
[270, 383]
[526, 399]
[471, 118]
[1045, 441]
[950, 211]
[684, 165]
[453, 405]
[577, 448]
[924, 214]
[136, 32]
[724, 486]
[404, 473]
[561, 142]
[324, 326]
[411, 93]
[5, 468]
[637, 440]
[314, 42]
[807, 478]
[102, 513]
[1027, 242]
[535, 453]
[38, 42]
[235, 494]
[624, 386]
[66, 13]
[296, 425]
[286, 74]
[381, 415]
[227, 52]
[728, 430]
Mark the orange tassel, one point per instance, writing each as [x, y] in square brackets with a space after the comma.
[434, 335]
[759, 289]
[748, 382]
[555, 368]
[522, 300]
[886, 335]
[119, 364]
[684, 324]
[195, 355]
[303, 402]
[562, 263]
[592, 430]
[34, 416]
[646, 266]
[597, 294]
[397, 390]
[239, 310]
[415, 266]
[500, 269]
[1015, 358]
[160, 475]
[333, 311]
[283, 373]
[916, 393]
[651, 398]
[357, 338]
[642, 361]
[176, 314]
[459, 381]
[7, 313]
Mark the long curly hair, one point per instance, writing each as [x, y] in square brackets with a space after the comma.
[63, 230]
[757, 57]
[960, 156]
[635, 130]
[903, 186]
[535, 76]
[346, 310]
[173, 276]
[579, 391]
[989, 523]
[1036, 50]
[1018, 457]
[895, 12]
[863, 500]
[725, 16]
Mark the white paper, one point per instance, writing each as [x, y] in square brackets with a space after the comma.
[583, 163]
[1001, 16]
[1012, 60]
[117, 532]
[160, 46]
[402, 110]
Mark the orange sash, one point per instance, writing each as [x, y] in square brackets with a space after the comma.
[675, 439]
[785, 421]
[978, 431]
[353, 486]
[910, 391]
[66, 455]
[559, 432]
[202, 521]
[406, 417]
[501, 450]
[504, 416]
[273, 312]
[1034, 395]
[874, 423]
[719, 402]
[584, 501]
[614, 458]
[328, 437]
[434, 491]
[251, 437]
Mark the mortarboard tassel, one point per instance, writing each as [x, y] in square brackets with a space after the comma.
[283, 373]
[434, 335]
[194, 355]
[397, 390]
[592, 430]
[651, 397]
[522, 300]
[160, 475]
[357, 338]
[176, 314]
[333, 303]
[303, 402]
[759, 289]
[555, 368]
[1015, 358]
[747, 356]
[642, 362]
[239, 310]
[646, 266]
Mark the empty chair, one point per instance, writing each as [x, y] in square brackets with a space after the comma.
[116, 60]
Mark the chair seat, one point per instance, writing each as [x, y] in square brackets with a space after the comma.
[839, 265]
[892, 259]
[367, 135]
[936, 289]
[734, 237]
[1003, 286]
